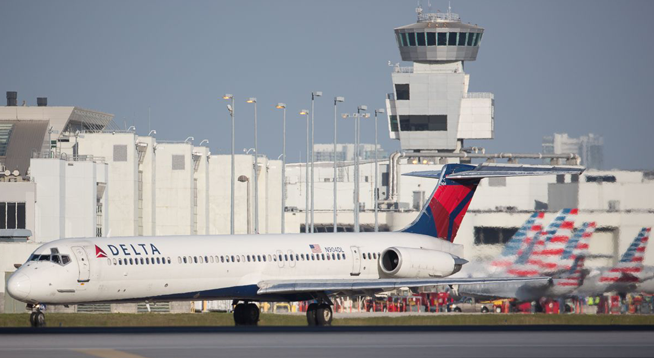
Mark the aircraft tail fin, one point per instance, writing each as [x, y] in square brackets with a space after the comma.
[630, 265]
[442, 214]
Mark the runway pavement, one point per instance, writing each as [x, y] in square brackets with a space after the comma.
[363, 342]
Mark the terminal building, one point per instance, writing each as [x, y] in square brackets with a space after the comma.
[69, 172]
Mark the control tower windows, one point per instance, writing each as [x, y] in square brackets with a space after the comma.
[421, 38]
[442, 39]
[431, 39]
[418, 123]
[478, 39]
[462, 38]
[412, 38]
[402, 92]
[393, 124]
[451, 41]
[471, 37]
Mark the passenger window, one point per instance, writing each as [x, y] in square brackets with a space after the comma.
[142, 261]
[248, 258]
[274, 258]
[431, 39]
[259, 258]
[168, 259]
[232, 258]
[268, 258]
[343, 256]
[184, 259]
[195, 259]
[297, 257]
[338, 256]
[333, 256]
[313, 258]
[216, 258]
[206, 260]
[302, 257]
[120, 261]
[323, 257]
[211, 258]
[442, 38]
[285, 257]
[238, 258]
[147, 260]
[131, 261]
[374, 255]
[114, 261]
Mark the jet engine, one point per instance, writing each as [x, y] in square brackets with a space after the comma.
[404, 262]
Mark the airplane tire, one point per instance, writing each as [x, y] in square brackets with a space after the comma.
[251, 313]
[239, 315]
[311, 314]
[324, 315]
[37, 319]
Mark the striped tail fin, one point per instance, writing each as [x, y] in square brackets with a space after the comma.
[630, 265]
[442, 214]
[519, 240]
[546, 247]
[577, 245]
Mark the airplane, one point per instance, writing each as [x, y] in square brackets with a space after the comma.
[566, 276]
[267, 268]
[625, 277]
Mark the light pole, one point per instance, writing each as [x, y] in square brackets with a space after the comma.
[305, 112]
[377, 111]
[244, 179]
[283, 107]
[313, 98]
[357, 133]
[230, 108]
[256, 168]
[336, 100]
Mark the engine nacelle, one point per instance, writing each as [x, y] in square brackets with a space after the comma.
[404, 262]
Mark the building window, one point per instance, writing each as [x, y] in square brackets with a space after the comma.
[451, 40]
[421, 38]
[417, 123]
[178, 162]
[493, 235]
[5, 134]
[12, 215]
[398, 37]
[478, 39]
[471, 36]
[120, 152]
[402, 92]
[497, 182]
[462, 38]
[431, 39]
[412, 38]
[442, 38]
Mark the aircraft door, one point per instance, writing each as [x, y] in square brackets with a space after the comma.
[82, 264]
[280, 259]
[292, 258]
[356, 261]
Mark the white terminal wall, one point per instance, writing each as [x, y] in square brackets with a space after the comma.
[123, 174]
[174, 183]
[201, 178]
[148, 168]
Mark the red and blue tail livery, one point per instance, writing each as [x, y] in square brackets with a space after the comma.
[442, 214]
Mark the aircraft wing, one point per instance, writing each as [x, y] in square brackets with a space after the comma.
[377, 285]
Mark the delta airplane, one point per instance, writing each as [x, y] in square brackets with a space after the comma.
[266, 268]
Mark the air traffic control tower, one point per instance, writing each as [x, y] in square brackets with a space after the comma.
[431, 100]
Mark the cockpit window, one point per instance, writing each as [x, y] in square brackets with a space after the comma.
[65, 259]
[55, 257]
[44, 258]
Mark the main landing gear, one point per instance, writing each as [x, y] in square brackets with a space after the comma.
[319, 314]
[246, 314]
[37, 317]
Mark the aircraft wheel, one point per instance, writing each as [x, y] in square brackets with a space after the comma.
[240, 315]
[324, 315]
[251, 314]
[37, 319]
[311, 314]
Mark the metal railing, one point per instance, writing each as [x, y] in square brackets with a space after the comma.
[439, 16]
[479, 95]
[399, 69]
[50, 154]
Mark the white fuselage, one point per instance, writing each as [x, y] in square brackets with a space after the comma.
[202, 267]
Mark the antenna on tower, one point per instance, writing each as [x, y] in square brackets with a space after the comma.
[419, 8]
[429, 5]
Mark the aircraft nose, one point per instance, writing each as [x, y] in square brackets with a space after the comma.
[18, 286]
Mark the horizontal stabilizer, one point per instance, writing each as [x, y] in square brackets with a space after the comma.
[491, 170]
[377, 285]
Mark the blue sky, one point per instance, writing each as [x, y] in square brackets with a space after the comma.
[554, 66]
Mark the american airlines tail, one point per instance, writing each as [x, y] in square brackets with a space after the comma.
[629, 267]
[518, 241]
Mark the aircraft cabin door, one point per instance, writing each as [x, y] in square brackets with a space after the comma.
[82, 264]
[356, 261]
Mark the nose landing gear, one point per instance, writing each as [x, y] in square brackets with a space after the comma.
[246, 314]
[37, 317]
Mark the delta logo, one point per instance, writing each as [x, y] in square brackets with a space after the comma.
[99, 253]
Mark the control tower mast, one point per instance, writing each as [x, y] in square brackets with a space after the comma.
[431, 99]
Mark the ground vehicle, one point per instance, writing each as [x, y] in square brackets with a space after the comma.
[469, 304]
